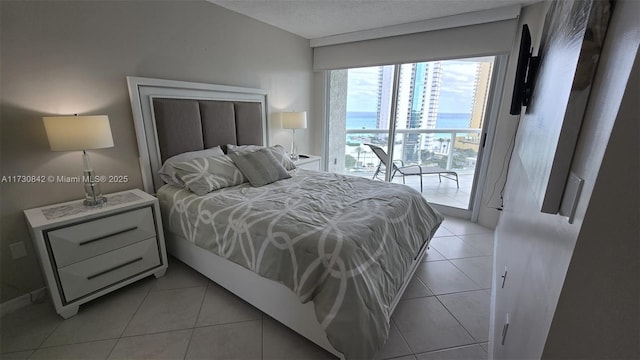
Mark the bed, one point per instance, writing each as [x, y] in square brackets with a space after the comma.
[327, 255]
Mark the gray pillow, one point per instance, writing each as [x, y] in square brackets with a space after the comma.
[277, 151]
[167, 171]
[260, 166]
[204, 175]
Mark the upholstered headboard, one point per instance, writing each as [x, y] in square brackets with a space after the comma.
[172, 117]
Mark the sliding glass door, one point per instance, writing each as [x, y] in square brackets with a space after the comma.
[434, 111]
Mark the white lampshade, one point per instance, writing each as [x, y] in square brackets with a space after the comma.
[294, 120]
[69, 133]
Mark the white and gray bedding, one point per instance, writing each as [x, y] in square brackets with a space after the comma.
[345, 243]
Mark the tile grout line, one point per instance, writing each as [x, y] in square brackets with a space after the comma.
[261, 336]
[449, 311]
[452, 348]
[403, 339]
[195, 323]
[186, 349]
[90, 341]
[460, 323]
[475, 282]
[144, 298]
[49, 335]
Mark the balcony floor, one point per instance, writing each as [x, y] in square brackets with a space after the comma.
[443, 193]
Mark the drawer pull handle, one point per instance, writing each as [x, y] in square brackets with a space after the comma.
[113, 268]
[505, 328]
[107, 236]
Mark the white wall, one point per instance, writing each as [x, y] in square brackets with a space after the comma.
[73, 57]
[506, 125]
[572, 289]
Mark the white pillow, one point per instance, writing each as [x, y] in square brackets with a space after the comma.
[168, 172]
[204, 175]
[277, 151]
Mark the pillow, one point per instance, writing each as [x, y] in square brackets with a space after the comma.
[243, 148]
[260, 166]
[167, 171]
[206, 174]
[277, 151]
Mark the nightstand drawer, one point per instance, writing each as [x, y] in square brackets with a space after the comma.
[83, 241]
[107, 269]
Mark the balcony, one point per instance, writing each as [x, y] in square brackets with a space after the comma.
[450, 149]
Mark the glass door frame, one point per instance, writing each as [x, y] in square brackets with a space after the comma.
[495, 95]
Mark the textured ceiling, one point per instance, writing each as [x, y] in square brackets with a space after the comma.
[319, 18]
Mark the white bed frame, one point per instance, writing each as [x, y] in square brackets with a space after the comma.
[271, 297]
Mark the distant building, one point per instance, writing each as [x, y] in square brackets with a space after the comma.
[418, 96]
[480, 96]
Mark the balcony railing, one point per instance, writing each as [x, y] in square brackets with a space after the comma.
[450, 143]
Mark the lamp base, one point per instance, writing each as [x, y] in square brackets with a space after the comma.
[97, 201]
[92, 194]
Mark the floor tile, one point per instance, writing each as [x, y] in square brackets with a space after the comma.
[28, 327]
[85, 351]
[161, 346]
[395, 346]
[484, 242]
[183, 315]
[433, 255]
[230, 341]
[442, 277]
[416, 289]
[167, 310]
[472, 310]
[479, 269]
[453, 247]
[178, 276]
[221, 307]
[463, 227]
[442, 231]
[473, 352]
[408, 357]
[20, 355]
[101, 319]
[426, 325]
[280, 342]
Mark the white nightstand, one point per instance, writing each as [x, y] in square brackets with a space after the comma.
[88, 252]
[312, 162]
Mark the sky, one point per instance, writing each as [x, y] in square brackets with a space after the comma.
[456, 92]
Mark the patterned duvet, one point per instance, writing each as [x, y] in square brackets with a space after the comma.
[345, 243]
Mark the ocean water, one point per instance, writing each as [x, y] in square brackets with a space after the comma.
[361, 120]
[368, 120]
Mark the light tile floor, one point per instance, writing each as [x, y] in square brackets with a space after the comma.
[444, 314]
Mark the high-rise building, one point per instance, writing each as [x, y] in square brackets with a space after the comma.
[385, 87]
[478, 106]
[418, 96]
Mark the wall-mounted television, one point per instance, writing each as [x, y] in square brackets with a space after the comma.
[525, 73]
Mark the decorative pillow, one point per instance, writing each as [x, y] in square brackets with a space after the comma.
[167, 172]
[243, 148]
[260, 166]
[277, 151]
[204, 175]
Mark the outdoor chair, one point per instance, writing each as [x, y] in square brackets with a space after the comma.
[409, 170]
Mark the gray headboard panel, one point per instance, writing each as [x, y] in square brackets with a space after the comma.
[172, 117]
[178, 125]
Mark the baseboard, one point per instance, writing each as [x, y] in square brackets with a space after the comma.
[15, 304]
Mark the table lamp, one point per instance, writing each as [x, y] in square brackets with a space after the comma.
[75, 133]
[293, 121]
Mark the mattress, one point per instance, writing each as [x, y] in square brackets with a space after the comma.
[346, 243]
